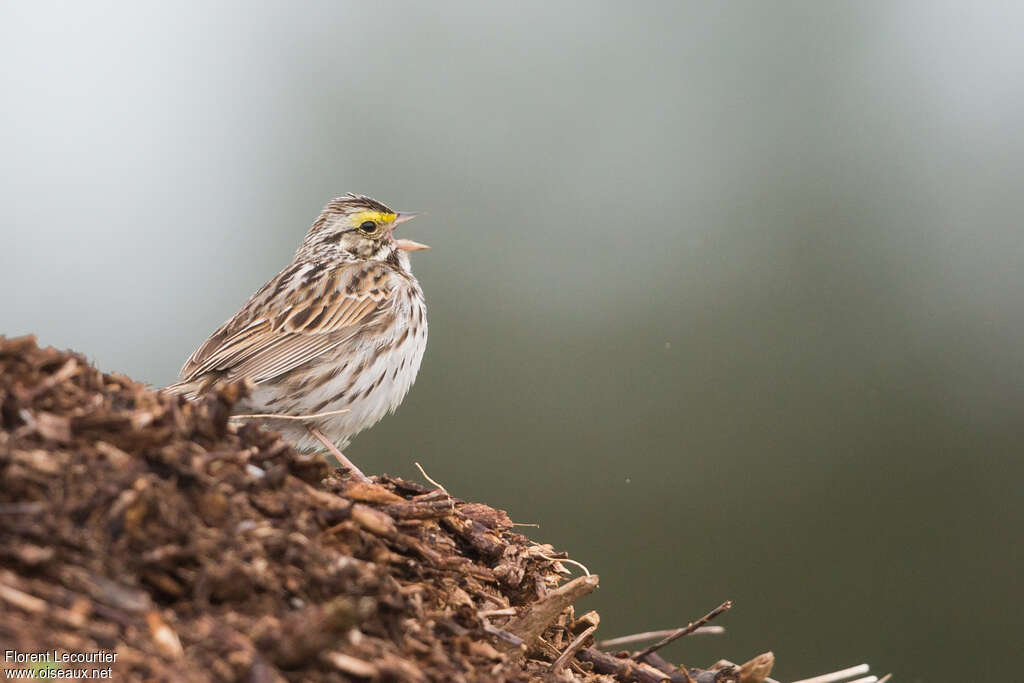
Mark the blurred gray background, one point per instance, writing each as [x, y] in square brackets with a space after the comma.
[726, 296]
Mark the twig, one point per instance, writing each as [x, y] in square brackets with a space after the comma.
[651, 635]
[866, 679]
[837, 675]
[571, 650]
[278, 416]
[504, 612]
[689, 628]
[553, 651]
[624, 669]
[675, 674]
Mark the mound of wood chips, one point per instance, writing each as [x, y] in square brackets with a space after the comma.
[196, 548]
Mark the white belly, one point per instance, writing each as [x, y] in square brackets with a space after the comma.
[370, 377]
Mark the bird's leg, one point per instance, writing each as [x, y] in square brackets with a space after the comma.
[345, 462]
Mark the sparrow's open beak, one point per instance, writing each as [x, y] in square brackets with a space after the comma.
[405, 216]
[407, 245]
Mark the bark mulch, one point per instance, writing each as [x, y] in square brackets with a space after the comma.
[198, 548]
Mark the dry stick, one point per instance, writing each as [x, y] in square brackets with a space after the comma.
[625, 669]
[680, 632]
[676, 674]
[651, 635]
[553, 651]
[571, 650]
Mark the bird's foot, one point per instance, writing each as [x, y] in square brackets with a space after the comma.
[356, 473]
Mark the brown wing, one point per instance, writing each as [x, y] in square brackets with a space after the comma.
[299, 315]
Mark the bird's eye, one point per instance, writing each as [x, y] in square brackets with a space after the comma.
[368, 227]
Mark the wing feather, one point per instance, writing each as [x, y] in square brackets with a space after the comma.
[291, 321]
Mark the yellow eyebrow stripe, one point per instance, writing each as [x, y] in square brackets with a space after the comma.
[378, 217]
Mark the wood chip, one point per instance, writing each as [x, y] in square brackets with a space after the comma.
[757, 669]
[368, 492]
[350, 665]
[164, 636]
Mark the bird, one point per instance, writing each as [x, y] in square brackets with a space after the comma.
[334, 341]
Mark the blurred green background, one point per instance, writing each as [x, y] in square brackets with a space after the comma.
[726, 296]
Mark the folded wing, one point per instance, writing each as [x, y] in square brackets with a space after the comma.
[293, 319]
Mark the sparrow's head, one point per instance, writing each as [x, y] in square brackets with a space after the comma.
[355, 227]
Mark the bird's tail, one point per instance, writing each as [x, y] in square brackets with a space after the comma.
[194, 387]
[190, 389]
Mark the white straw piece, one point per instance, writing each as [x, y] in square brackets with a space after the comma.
[567, 561]
[838, 675]
[273, 416]
[654, 635]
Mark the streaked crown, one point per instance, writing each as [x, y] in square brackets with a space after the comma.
[356, 227]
